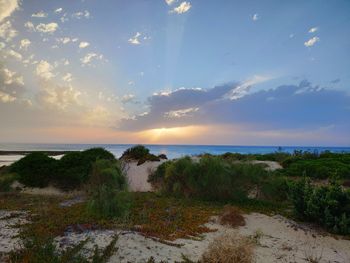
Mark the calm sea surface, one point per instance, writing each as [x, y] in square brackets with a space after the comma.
[172, 151]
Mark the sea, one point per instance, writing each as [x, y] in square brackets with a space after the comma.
[172, 151]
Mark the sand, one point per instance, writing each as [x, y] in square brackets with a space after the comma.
[138, 175]
[282, 240]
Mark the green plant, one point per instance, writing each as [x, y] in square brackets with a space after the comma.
[6, 180]
[327, 205]
[136, 152]
[35, 169]
[107, 190]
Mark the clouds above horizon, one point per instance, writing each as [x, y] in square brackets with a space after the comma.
[300, 106]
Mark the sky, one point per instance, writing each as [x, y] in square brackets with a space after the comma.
[175, 72]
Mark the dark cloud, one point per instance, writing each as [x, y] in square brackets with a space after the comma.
[285, 107]
[335, 81]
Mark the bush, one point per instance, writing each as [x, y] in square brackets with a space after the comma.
[156, 178]
[228, 248]
[211, 178]
[135, 153]
[5, 182]
[327, 205]
[274, 188]
[107, 189]
[35, 169]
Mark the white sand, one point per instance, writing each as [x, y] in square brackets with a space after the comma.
[271, 165]
[280, 242]
[138, 175]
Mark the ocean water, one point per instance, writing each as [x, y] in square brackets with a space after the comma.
[172, 151]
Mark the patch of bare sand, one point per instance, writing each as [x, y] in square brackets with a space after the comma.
[138, 175]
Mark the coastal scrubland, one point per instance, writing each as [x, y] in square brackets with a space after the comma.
[188, 192]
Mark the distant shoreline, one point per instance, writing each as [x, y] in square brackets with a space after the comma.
[50, 153]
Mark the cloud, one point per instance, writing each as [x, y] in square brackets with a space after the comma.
[313, 29]
[58, 97]
[7, 32]
[127, 98]
[44, 70]
[11, 85]
[40, 14]
[84, 44]
[24, 44]
[182, 8]
[81, 14]
[58, 10]
[63, 40]
[170, 2]
[135, 39]
[285, 107]
[67, 77]
[30, 26]
[47, 28]
[255, 17]
[7, 7]
[311, 42]
[88, 58]
[335, 81]
[13, 54]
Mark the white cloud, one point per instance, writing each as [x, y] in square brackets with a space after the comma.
[180, 113]
[255, 17]
[47, 28]
[7, 32]
[40, 14]
[90, 57]
[127, 98]
[84, 44]
[11, 77]
[67, 77]
[135, 39]
[30, 26]
[14, 54]
[24, 44]
[6, 98]
[44, 70]
[63, 40]
[58, 10]
[81, 14]
[313, 29]
[64, 18]
[182, 8]
[170, 2]
[7, 7]
[75, 39]
[311, 42]
[66, 62]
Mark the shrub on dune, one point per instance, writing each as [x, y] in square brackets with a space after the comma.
[107, 190]
[35, 169]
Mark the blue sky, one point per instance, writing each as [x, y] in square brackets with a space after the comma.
[175, 71]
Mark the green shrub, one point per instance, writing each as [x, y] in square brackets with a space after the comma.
[212, 178]
[94, 154]
[107, 190]
[136, 152]
[327, 205]
[5, 181]
[156, 178]
[35, 169]
[274, 188]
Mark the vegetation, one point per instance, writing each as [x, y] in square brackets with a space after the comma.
[107, 190]
[35, 169]
[141, 154]
[229, 248]
[71, 171]
[5, 181]
[328, 205]
[211, 178]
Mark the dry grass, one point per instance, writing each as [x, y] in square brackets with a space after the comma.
[232, 216]
[229, 248]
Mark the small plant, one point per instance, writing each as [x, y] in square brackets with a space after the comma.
[232, 216]
[228, 248]
[135, 153]
[6, 180]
